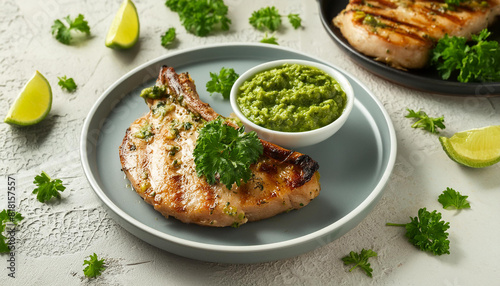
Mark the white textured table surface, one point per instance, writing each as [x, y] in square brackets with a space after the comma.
[56, 237]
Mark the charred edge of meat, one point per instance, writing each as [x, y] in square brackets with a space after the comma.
[309, 168]
[306, 163]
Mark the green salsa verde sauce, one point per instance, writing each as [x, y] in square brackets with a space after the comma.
[291, 98]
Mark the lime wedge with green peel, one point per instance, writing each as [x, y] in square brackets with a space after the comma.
[33, 103]
[124, 31]
[476, 148]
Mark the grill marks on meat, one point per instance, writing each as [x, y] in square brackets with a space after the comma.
[403, 32]
[162, 171]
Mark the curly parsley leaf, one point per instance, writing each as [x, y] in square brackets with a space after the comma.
[295, 20]
[168, 37]
[224, 153]
[7, 216]
[94, 266]
[200, 17]
[451, 199]
[222, 82]
[47, 188]
[62, 32]
[425, 122]
[269, 40]
[360, 260]
[476, 63]
[267, 17]
[428, 232]
[67, 83]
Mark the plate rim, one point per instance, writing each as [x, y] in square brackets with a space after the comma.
[377, 190]
[440, 86]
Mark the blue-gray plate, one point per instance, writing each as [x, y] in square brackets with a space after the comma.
[427, 80]
[355, 164]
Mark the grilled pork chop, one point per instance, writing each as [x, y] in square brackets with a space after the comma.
[402, 33]
[157, 157]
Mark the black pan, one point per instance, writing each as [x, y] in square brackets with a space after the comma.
[427, 80]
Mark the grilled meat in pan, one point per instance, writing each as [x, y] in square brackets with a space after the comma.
[402, 33]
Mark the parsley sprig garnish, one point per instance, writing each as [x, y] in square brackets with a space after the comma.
[47, 188]
[67, 83]
[451, 199]
[222, 82]
[267, 17]
[7, 216]
[428, 232]
[224, 153]
[62, 32]
[270, 18]
[360, 260]
[94, 266]
[168, 37]
[425, 122]
[295, 20]
[478, 62]
[201, 17]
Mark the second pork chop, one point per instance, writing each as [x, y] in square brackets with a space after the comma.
[402, 33]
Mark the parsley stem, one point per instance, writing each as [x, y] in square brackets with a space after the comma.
[50, 179]
[357, 264]
[395, 224]
[416, 124]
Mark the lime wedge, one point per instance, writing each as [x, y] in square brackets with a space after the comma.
[124, 31]
[474, 148]
[33, 103]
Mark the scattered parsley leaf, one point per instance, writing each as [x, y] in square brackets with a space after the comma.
[5, 217]
[67, 83]
[47, 188]
[4, 247]
[8, 215]
[269, 40]
[267, 17]
[476, 63]
[360, 260]
[451, 199]
[168, 37]
[222, 82]
[94, 266]
[428, 232]
[224, 153]
[425, 122]
[200, 17]
[295, 20]
[63, 32]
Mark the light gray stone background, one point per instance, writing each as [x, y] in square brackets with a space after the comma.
[56, 237]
